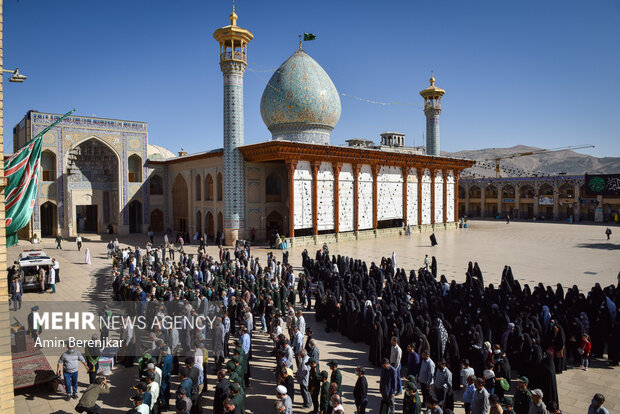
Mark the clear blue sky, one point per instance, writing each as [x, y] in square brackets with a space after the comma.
[543, 73]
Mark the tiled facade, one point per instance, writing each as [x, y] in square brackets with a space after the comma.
[80, 182]
[234, 165]
[300, 101]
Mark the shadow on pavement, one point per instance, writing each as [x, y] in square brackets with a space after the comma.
[602, 246]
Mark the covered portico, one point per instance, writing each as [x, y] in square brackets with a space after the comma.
[346, 192]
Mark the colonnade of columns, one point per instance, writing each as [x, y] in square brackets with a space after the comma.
[518, 201]
[291, 166]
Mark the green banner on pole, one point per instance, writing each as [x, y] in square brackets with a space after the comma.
[22, 172]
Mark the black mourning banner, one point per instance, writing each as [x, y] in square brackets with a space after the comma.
[603, 184]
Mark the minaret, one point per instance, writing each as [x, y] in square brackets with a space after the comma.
[233, 42]
[432, 108]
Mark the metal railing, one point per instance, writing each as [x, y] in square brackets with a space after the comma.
[228, 55]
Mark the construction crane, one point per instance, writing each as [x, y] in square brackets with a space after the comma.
[535, 152]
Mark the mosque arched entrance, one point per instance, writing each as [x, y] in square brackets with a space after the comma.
[274, 223]
[93, 185]
[49, 220]
[179, 204]
[135, 216]
[157, 220]
[210, 230]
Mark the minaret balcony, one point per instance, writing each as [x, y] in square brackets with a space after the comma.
[230, 55]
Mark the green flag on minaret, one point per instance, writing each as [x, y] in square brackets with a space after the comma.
[309, 36]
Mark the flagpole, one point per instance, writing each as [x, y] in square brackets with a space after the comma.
[53, 124]
[300, 43]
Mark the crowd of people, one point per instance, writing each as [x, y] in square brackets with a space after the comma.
[464, 336]
[429, 337]
[234, 290]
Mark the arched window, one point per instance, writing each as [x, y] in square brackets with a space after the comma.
[220, 187]
[526, 191]
[508, 191]
[48, 166]
[199, 224]
[475, 192]
[156, 185]
[490, 191]
[545, 190]
[567, 190]
[209, 187]
[134, 167]
[198, 187]
[273, 188]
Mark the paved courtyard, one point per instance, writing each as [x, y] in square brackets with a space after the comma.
[538, 252]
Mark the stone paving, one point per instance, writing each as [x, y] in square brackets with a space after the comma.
[545, 252]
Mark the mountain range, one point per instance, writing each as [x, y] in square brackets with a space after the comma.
[549, 163]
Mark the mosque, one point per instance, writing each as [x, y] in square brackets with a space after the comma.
[101, 175]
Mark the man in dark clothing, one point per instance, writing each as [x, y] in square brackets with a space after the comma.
[92, 355]
[231, 407]
[221, 392]
[186, 382]
[288, 382]
[336, 376]
[360, 392]
[522, 397]
[88, 402]
[314, 384]
[324, 397]
[181, 407]
[237, 396]
[194, 373]
[387, 386]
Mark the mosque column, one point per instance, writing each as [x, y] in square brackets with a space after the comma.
[356, 175]
[576, 210]
[420, 171]
[445, 195]
[482, 199]
[375, 192]
[336, 166]
[500, 195]
[456, 195]
[466, 188]
[315, 203]
[536, 186]
[433, 172]
[517, 199]
[290, 168]
[556, 200]
[405, 172]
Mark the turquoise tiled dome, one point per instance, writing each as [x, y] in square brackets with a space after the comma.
[300, 101]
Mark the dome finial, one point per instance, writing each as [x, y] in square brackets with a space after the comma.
[432, 79]
[233, 15]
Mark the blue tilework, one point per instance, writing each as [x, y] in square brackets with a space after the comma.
[300, 93]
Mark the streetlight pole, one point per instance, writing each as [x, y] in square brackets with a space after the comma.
[17, 77]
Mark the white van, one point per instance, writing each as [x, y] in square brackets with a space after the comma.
[29, 263]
